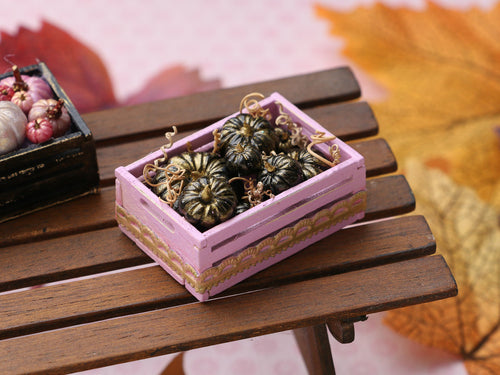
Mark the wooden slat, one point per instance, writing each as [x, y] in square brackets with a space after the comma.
[387, 196]
[346, 120]
[390, 196]
[109, 249]
[67, 257]
[137, 290]
[194, 111]
[378, 156]
[194, 325]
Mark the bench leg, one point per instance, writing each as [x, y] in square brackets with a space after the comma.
[315, 348]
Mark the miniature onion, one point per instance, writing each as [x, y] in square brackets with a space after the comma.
[36, 86]
[55, 112]
[39, 131]
[12, 125]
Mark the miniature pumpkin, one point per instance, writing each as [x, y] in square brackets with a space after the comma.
[207, 202]
[36, 86]
[200, 164]
[23, 100]
[243, 159]
[242, 207]
[12, 127]
[39, 131]
[284, 140]
[196, 165]
[53, 110]
[311, 166]
[280, 172]
[6, 92]
[244, 128]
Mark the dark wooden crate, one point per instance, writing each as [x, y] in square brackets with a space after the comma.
[39, 176]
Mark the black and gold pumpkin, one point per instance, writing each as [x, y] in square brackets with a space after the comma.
[206, 202]
[195, 164]
[280, 172]
[242, 159]
[311, 166]
[244, 128]
[284, 138]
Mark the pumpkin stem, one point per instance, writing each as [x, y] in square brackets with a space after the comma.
[270, 168]
[55, 111]
[217, 137]
[19, 84]
[239, 148]
[246, 129]
[206, 194]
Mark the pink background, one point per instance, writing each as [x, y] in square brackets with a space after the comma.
[235, 42]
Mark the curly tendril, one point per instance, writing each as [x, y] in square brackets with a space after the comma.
[319, 137]
[253, 106]
[296, 136]
[253, 194]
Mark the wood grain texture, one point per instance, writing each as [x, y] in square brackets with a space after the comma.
[197, 110]
[343, 331]
[165, 331]
[315, 349]
[68, 257]
[387, 196]
[137, 290]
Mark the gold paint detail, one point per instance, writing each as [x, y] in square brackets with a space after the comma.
[251, 256]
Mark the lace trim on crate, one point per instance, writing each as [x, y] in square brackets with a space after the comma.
[233, 265]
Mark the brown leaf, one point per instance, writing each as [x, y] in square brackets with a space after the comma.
[441, 73]
[440, 69]
[77, 68]
[468, 236]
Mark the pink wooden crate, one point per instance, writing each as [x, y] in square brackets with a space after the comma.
[211, 261]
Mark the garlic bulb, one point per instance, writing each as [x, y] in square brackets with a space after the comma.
[12, 126]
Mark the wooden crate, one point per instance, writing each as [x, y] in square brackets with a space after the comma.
[211, 261]
[37, 176]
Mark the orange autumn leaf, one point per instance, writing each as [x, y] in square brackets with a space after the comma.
[441, 71]
[468, 236]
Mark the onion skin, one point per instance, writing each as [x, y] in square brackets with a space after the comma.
[55, 112]
[39, 131]
[12, 127]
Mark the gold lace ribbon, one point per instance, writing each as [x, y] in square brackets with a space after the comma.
[249, 257]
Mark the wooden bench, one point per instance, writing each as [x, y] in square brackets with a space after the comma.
[86, 316]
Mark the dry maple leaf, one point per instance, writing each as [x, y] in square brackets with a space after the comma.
[83, 75]
[77, 68]
[468, 236]
[441, 70]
